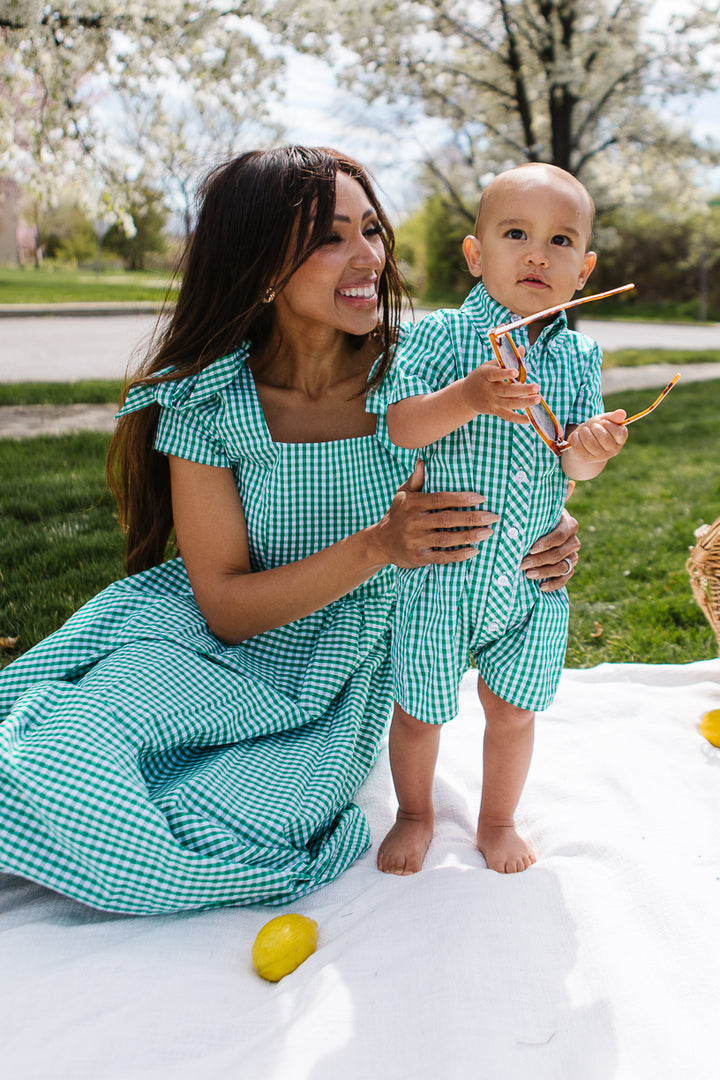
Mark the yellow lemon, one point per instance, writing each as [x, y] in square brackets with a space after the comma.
[710, 726]
[283, 944]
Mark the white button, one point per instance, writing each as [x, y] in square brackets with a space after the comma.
[513, 533]
[521, 476]
[493, 628]
[503, 581]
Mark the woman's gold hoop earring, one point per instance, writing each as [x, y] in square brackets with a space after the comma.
[268, 296]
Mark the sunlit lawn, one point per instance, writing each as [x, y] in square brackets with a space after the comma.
[79, 392]
[631, 598]
[57, 284]
[674, 357]
[59, 538]
[53, 285]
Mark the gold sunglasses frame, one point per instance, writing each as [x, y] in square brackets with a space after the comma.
[559, 443]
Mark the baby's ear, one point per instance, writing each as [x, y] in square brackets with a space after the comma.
[473, 255]
[588, 265]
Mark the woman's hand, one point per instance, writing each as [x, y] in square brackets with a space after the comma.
[414, 532]
[239, 603]
[553, 558]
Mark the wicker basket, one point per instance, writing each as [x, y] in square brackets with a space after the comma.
[703, 567]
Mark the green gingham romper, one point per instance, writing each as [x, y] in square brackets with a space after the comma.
[147, 767]
[486, 608]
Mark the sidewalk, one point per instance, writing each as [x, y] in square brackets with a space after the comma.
[21, 421]
[57, 347]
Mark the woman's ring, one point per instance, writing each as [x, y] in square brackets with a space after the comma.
[569, 567]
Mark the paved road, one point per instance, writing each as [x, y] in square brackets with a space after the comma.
[62, 348]
[57, 348]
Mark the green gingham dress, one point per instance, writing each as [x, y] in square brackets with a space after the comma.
[486, 608]
[147, 767]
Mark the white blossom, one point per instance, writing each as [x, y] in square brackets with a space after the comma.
[587, 84]
[100, 91]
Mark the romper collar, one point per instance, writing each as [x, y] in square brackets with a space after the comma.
[486, 313]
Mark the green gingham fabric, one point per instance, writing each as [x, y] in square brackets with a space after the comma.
[486, 608]
[146, 767]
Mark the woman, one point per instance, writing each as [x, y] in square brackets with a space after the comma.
[194, 735]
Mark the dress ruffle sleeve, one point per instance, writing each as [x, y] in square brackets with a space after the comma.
[189, 410]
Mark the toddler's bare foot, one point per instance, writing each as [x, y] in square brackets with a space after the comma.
[403, 849]
[503, 849]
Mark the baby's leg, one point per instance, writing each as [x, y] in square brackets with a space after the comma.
[506, 759]
[413, 749]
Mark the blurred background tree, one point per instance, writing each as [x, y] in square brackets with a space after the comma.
[66, 234]
[597, 87]
[150, 218]
[100, 95]
[589, 85]
[117, 101]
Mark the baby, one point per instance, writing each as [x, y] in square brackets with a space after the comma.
[447, 393]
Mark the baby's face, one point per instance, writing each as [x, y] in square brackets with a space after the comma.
[531, 243]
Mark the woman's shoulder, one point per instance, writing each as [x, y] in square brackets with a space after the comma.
[213, 384]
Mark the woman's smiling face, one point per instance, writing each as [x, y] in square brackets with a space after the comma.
[337, 285]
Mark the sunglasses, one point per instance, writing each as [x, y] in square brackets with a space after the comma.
[541, 416]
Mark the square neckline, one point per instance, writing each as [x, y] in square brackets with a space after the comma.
[307, 442]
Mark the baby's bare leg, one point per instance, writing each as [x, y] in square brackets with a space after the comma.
[413, 752]
[507, 752]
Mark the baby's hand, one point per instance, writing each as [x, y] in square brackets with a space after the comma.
[592, 444]
[491, 388]
[598, 439]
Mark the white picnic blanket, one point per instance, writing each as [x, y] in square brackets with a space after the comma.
[602, 961]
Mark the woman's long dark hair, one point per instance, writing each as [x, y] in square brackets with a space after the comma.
[261, 216]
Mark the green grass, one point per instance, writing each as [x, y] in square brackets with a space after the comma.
[50, 284]
[60, 542]
[634, 310]
[630, 597]
[53, 285]
[81, 392]
[676, 357]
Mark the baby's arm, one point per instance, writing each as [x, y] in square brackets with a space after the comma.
[592, 444]
[424, 418]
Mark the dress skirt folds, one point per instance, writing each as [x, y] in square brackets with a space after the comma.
[147, 767]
